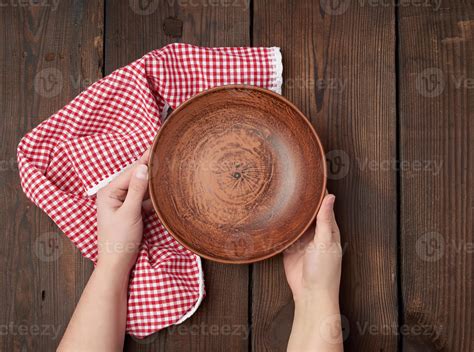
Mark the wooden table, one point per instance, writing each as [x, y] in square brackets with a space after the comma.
[389, 88]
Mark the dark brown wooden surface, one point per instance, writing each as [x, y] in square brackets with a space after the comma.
[437, 192]
[378, 83]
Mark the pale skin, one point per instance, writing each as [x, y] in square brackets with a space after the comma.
[313, 271]
[312, 267]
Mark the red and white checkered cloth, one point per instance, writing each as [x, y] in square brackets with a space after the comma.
[65, 160]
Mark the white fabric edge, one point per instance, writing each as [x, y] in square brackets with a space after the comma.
[201, 294]
[196, 305]
[93, 190]
[277, 69]
[164, 112]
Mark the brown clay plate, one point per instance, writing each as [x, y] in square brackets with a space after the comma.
[237, 174]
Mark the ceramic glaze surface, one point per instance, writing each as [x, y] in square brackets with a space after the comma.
[237, 174]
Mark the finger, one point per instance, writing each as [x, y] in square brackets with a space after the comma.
[326, 226]
[300, 245]
[110, 197]
[136, 190]
[123, 180]
[147, 206]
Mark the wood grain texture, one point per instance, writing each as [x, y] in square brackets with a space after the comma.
[132, 29]
[339, 69]
[48, 54]
[437, 193]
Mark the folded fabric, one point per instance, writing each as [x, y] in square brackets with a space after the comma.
[65, 160]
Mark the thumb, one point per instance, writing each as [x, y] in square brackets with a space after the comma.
[137, 189]
[326, 226]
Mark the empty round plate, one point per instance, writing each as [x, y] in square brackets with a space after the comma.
[237, 174]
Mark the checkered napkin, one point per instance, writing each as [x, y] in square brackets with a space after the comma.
[65, 160]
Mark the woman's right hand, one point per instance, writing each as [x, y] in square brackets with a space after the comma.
[313, 270]
[313, 264]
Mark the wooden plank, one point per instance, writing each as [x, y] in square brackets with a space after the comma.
[134, 28]
[437, 194]
[339, 69]
[44, 62]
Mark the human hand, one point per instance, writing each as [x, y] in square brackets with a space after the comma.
[313, 263]
[119, 217]
[313, 270]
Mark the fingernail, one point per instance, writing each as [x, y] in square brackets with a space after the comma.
[142, 172]
[331, 199]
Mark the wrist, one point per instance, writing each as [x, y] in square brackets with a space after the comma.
[113, 270]
[316, 299]
[317, 323]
